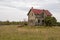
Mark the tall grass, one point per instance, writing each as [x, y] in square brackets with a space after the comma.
[12, 32]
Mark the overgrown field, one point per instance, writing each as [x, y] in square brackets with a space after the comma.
[12, 32]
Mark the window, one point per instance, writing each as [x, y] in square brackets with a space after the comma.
[42, 21]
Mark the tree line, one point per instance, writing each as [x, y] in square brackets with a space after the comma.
[13, 23]
[49, 21]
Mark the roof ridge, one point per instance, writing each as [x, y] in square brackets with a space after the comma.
[40, 9]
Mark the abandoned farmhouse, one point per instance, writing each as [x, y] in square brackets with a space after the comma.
[36, 16]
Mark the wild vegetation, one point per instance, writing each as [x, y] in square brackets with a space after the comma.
[50, 21]
[12, 32]
[13, 23]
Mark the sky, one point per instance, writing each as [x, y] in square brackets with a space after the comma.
[16, 10]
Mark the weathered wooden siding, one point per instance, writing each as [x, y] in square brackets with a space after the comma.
[31, 18]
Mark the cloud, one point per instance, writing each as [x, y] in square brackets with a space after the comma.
[12, 14]
[54, 9]
[14, 8]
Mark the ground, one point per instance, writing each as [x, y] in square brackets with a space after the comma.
[12, 32]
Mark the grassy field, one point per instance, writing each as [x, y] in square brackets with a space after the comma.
[12, 32]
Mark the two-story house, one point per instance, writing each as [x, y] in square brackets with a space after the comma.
[36, 16]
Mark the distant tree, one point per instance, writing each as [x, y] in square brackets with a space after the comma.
[0, 22]
[58, 23]
[50, 21]
[7, 22]
[25, 22]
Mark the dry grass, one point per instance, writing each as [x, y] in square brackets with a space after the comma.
[11, 32]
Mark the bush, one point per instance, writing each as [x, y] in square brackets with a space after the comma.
[50, 21]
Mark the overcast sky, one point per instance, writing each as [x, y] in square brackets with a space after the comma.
[16, 10]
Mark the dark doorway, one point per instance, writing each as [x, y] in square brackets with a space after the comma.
[38, 21]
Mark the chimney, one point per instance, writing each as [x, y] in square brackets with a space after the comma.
[32, 8]
[43, 10]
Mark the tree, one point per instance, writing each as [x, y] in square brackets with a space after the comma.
[7, 22]
[54, 21]
[58, 23]
[50, 21]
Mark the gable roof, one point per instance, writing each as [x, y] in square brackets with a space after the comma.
[38, 11]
